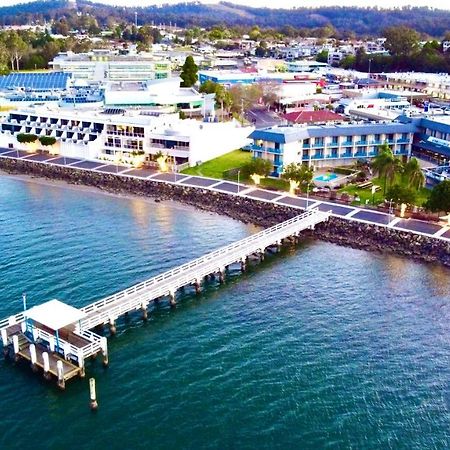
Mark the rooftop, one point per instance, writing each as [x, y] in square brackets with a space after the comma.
[55, 314]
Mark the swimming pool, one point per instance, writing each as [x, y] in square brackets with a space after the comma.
[326, 177]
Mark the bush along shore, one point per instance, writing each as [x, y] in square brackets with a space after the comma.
[336, 230]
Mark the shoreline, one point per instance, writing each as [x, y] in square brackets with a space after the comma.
[364, 236]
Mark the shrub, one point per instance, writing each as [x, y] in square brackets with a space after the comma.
[25, 138]
[47, 140]
[343, 170]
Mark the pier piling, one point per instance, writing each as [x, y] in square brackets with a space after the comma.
[46, 365]
[60, 371]
[16, 348]
[112, 326]
[33, 357]
[92, 395]
[172, 300]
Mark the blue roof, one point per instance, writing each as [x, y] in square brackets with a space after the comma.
[435, 124]
[285, 134]
[40, 81]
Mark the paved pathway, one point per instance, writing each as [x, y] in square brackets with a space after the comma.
[348, 212]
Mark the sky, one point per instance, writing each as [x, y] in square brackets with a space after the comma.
[271, 3]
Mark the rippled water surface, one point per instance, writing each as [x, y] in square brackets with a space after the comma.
[319, 347]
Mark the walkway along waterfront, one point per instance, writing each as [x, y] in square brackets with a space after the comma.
[348, 225]
[57, 338]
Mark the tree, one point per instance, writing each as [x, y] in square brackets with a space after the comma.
[189, 72]
[401, 194]
[387, 165]
[297, 174]
[257, 168]
[401, 41]
[414, 174]
[440, 197]
[222, 96]
[322, 56]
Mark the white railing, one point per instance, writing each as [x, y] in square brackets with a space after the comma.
[141, 294]
[95, 343]
[12, 320]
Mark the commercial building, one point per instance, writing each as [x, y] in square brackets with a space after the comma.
[104, 65]
[165, 94]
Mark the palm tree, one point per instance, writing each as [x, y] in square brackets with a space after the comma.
[387, 165]
[414, 174]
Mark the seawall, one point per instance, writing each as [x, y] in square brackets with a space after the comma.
[336, 230]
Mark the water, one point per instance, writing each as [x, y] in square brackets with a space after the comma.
[321, 347]
[326, 177]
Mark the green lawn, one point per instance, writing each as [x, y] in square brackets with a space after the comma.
[233, 160]
[217, 166]
[366, 194]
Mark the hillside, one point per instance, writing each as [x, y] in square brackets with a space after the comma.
[362, 21]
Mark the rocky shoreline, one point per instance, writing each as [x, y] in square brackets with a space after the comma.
[338, 231]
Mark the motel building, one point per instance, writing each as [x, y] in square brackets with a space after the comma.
[344, 144]
[329, 145]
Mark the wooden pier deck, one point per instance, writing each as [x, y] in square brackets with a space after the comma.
[70, 343]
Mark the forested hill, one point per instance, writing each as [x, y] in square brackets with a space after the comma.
[362, 21]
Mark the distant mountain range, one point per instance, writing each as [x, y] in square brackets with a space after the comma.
[362, 21]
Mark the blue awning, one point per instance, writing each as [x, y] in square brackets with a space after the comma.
[440, 149]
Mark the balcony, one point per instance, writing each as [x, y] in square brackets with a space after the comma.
[361, 153]
[347, 143]
[373, 153]
[257, 148]
[318, 156]
[403, 141]
[361, 143]
[376, 142]
[318, 145]
[346, 155]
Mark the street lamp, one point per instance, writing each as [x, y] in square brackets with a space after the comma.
[238, 174]
[370, 61]
[390, 210]
[307, 195]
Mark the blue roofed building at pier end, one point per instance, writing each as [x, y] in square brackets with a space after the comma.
[344, 144]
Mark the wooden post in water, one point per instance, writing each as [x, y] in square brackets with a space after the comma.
[92, 395]
[81, 364]
[47, 374]
[144, 312]
[33, 357]
[16, 348]
[197, 286]
[112, 326]
[104, 347]
[60, 371]
[222, 276]
[243, 264]
[5, 342]
[172, 300]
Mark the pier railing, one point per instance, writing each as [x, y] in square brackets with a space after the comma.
[141, 294]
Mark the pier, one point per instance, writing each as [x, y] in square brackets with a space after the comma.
[58, 338]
